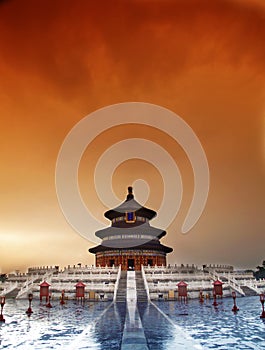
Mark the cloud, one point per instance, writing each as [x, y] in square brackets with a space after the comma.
[60, 60]
[72, 47]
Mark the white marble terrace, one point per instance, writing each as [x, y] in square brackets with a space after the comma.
[101, 282]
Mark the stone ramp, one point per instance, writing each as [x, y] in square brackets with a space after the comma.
[145, 325]
[12, 293]
[248, 291]
[133, 332]
[133, 335]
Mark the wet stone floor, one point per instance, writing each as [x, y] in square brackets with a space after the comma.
[165, 325]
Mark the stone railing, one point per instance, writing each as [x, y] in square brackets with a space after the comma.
[218, 268]
[231, 281]
[92, 268]
[117, 284]
[194, 284]
[42, 269]
[9, 288]
[26, 287]
[172, 269]
[176, 277]
[145, 282]
[92, 286]
[83, 277]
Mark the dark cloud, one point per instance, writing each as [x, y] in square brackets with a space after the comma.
[75, 45]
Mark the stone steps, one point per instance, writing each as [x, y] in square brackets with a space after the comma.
[140, 287]
[13, 293]
[121, 292]
[248, 291]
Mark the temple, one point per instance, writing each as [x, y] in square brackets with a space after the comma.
[130, 241]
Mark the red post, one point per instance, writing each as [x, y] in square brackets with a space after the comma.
[262, 303]
[62, 298]
[49, 301]
[235, 308]
[214, 298]
[29, 311]
[201, 297]
[3, 301]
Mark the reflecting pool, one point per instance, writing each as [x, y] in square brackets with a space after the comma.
[218, 327]
[166, 325]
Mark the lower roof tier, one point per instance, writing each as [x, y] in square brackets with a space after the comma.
[153, 245]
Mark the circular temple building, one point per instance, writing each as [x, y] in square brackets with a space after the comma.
[130, 241]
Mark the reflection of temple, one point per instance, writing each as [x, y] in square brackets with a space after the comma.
[130, 241]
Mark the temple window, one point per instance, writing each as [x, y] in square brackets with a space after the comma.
[130, 216]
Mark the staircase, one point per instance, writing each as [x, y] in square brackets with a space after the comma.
[11, 291]
[26, 288]
[33, 283]
[140, 287]
[121, 292]
[248, 291]
[12, 294]
[230, 281]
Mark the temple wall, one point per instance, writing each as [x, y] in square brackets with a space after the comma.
[131, 259]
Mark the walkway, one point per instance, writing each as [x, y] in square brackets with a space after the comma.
[132, 322]
[133, 333]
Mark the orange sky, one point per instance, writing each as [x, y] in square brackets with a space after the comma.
[61, 60]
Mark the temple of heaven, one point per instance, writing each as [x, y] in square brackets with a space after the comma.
[130, 241]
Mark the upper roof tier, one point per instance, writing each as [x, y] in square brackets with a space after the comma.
[130, 205]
